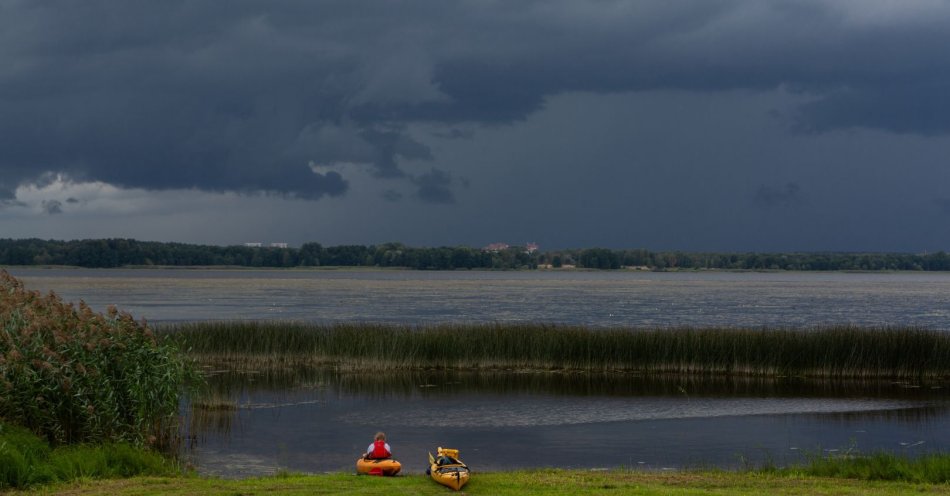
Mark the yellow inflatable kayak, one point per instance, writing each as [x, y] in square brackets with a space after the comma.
[447, 469]
[386, 466]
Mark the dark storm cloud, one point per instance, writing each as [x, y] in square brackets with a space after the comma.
[916, 108]
[434, 187]
[860, 70]
[943, 204]
[787, 195]
[389, 146]
[246, 97]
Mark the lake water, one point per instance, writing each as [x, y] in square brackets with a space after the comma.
[317, 421]
[321, 421]
[597, 299]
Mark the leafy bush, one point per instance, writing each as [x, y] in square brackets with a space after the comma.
[72, 375]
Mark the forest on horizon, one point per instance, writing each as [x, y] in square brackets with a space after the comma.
[112, 253]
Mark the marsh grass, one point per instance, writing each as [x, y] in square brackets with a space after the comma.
[213, 401]
[75, 376]
[900, 353]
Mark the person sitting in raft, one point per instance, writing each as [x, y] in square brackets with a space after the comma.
[380, 449]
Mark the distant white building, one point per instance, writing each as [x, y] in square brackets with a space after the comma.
[496, 247]
[253, 245]
[531, 247]
[278, 245]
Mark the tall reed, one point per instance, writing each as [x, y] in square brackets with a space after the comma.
[832, 352]
[72, 375]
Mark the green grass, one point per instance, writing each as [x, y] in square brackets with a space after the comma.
[827, 352]
[27, 460]
[928, 468]
[525, 483]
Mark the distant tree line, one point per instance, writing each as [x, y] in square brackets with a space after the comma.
[106, 253]
[600, 258]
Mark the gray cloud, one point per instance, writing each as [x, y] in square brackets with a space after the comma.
[190, 95]
[52, 207]
[392, 195]
[454, 133]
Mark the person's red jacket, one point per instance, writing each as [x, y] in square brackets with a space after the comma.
[379, 450]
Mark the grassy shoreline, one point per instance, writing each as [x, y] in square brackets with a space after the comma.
[834, 352]
[28, 465]
[546, 482]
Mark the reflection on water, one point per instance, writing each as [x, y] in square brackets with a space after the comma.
[202, 421]
[319, 420]
[463, 382]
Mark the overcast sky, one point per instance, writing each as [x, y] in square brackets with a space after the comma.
[732, 125]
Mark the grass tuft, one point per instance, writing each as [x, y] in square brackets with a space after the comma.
[933, 468]
[27, 460]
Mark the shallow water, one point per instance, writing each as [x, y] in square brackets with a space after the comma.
[323, 422]
[597, 299]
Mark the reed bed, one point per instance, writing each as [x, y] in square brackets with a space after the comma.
[827, 352]
[75, 376]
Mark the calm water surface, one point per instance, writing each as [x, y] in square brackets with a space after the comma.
[316, 421]
[502, 421]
